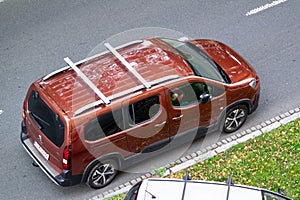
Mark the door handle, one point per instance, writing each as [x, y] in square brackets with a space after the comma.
[177, 118]
[161, 124]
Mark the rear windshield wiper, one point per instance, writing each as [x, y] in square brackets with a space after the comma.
[35, 120]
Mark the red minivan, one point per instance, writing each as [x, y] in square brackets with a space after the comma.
[90, 119]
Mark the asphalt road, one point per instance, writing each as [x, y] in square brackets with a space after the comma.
[35, 36]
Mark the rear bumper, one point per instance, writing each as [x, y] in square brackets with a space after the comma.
[63, 179]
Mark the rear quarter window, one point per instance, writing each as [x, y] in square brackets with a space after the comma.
[104, 125]
[113, 122]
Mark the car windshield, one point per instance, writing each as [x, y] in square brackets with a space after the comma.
[201, 64]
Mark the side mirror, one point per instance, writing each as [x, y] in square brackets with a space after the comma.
[204, 98]
[281, 191]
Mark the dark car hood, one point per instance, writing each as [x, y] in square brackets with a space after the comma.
[233, 64]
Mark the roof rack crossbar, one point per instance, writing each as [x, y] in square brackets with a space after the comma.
[229, 183]
[89, 58]
[124, 93]
[127, 65]
[87, 80]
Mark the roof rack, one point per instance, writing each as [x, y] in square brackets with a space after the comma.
[127, 65]
[229, 183]
[87, 80]
[124, 93]
[90, 58]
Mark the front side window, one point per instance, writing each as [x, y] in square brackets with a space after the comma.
[188, 94]
[143, 110]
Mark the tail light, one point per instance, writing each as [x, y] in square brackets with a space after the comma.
[66, 161]
[24, 117]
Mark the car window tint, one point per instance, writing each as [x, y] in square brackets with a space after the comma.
[187, 94]
[143, 110]
[46, 119]
[104, 125]
[199, 61]
[272, 196]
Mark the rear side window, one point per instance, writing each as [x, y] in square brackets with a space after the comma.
[104, 125]
[45, 119]
[113, 122]
[143, 110]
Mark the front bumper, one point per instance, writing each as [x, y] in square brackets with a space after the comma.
[63, 179]
[255, 101]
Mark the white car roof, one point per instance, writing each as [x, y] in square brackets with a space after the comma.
[174, 188]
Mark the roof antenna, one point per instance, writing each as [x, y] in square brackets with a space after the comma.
[152, 196]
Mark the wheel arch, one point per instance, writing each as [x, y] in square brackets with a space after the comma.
[116, 157]
[246, 102]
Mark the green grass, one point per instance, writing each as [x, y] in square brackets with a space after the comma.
[270, 161]
[117, 197]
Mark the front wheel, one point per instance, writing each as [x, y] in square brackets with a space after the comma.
[102, 174]
[235, 118]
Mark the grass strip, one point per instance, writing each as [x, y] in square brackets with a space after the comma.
[270, 161]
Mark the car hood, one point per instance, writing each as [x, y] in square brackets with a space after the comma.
[233, 64]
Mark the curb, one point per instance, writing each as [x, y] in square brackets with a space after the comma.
[209, 151]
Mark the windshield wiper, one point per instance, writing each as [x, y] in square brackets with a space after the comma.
[35, 120]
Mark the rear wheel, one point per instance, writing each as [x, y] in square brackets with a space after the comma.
[102, 174]
[235, 118]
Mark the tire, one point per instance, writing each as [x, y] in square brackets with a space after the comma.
[234, 118]
[102, 174]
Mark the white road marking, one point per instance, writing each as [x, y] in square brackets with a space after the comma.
[1, 111]
[264, 7]
[1, 1]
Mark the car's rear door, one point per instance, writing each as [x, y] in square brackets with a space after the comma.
[147, 122]
[45, 129]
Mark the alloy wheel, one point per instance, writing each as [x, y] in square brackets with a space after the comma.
[101, 175]
[235, 118]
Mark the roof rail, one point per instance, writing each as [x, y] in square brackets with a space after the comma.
[89, 58]
[87, 80]
[124, 93]
[127, 65]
